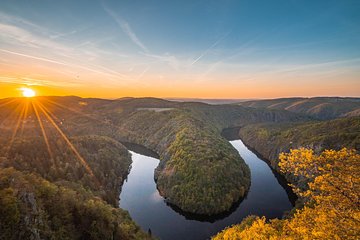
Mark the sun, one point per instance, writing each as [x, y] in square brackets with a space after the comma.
[28, 92]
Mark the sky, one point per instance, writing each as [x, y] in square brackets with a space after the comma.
[196, 49]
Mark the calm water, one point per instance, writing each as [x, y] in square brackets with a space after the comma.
[148, 209]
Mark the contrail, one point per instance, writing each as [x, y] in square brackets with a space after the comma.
[211, 47]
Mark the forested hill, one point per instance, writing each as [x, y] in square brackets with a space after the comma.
[54, 195]
[185, 135]
[270, 139]
[318, 107]
[320, 159]
[73, 146]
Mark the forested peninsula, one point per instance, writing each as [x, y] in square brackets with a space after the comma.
[71, 146]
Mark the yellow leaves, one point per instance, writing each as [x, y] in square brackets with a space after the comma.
[332, 189]
[298, 162]
[231, 233]
[258, 229]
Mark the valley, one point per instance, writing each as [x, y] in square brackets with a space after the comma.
[141, 198]
[80, 143]
[179, 120]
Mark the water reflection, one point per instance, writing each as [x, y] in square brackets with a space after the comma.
[148, 209]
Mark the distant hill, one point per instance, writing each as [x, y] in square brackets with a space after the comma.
[207, 100]
[317, 107]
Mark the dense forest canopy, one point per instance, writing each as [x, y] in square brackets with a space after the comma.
[71, 146]
[157, 124]
[34, 208]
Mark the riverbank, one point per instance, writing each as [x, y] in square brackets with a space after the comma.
[149, 210]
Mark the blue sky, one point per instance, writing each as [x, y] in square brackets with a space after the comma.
[183, 48]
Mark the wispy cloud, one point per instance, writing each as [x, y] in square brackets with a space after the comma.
[38, 43]
[92, 69]
[14, 20]
[36, 82]
[171, 60]
[14, 34]
[125, 27]
[328, 65]
[60, 35]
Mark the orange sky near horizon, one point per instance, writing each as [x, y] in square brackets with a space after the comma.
[233, 90]
[281, 51]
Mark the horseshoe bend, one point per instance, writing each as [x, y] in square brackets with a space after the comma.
[73, 143]
[179, 120]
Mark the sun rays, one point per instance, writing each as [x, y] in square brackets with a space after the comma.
[100, 121]
[33, 111]
[39, 117]
[43, 131]
[20, 117]
[66, 139]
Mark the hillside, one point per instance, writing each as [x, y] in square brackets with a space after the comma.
[34, 208]
[105, 166]
[208, 101]
[56, 185]
[319, 107]
[59, 198]
[269, 140]
[186, 136]
[75, 143]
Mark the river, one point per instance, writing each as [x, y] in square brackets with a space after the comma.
[266, 197]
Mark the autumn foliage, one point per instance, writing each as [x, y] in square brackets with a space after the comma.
[329, 184]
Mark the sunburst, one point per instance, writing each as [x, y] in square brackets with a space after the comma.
[28, 92]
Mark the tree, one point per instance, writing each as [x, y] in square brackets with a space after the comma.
[330, 185]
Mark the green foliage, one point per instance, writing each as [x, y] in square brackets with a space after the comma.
[281, 137]
[199, 171]
[58, 197]
[9, 212]
[32, 208]
[108, 160]
[204, 174]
